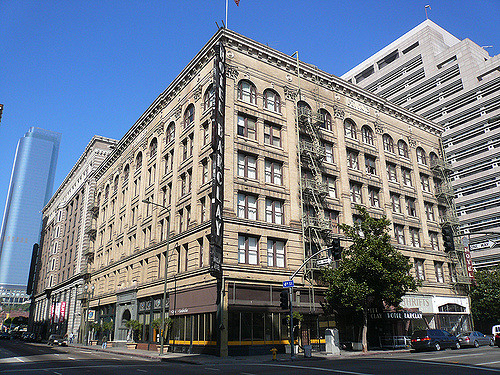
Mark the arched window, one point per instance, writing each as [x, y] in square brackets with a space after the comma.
[153, 147]
[126, 173]
[138, 161]
[388, 143]
[189, 116]
[403, 149]
[304, 109]
[247, 92]
[433, 158]
[106, 192]
[421, 158]
[209, 98]
[350, 129]
[98, 200]
[170, 132]
[325, 119]
[367, 135]
[272, 101]
[115, 184]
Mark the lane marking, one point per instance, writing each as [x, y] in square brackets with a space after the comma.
[84, 351]
[452, 356]
[475, 367]
[19, 359]
[211, 369]
[57, 373]
[487, 363]
[312, 368]
[72, 358]
[141, 370]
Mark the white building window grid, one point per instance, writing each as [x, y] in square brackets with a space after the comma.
[356, 196]
[438, 267]
[419, 269]
[274, 211]
[415, 237]
[406, 173]
[396, 203]
[429, 211]
[274, 172]
[433, 236]
[374, 197]
[352, 159]
[370, 165]
[411, 209]
[424, 180]
[331, 185]
[247, 166]
[247, 206]
[391, 172]
[399, 234]
[247, 249]
[247, 126]
[367, 135]
[275, 253]
[272, 134]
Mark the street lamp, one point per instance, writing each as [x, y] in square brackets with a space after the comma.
[87, 330]
[162, 339]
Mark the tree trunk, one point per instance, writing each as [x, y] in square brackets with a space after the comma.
[364, 341]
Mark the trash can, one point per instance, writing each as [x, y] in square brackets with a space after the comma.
[308, 351]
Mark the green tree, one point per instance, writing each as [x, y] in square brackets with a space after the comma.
[485, 299]
[134, 326]
[371, 271]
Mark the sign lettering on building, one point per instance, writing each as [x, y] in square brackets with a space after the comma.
[468, 263]
[218, 116]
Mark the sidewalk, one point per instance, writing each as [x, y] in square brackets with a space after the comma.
[203, 359]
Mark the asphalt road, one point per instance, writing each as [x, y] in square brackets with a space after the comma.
[21, 358]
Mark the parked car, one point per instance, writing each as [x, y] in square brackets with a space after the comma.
[57, 340]
[433, 339]
[474, 338]
[495, 331]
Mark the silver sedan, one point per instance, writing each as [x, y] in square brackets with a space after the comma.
[474, 338]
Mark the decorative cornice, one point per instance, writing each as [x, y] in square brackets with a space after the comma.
[379, 128]
[338, 112]
[232, 72]
[197, 93]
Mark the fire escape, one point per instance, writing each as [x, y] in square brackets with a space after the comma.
[445, 196]
[317, 228]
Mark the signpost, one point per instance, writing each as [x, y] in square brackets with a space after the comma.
[288, 284]
[323, 262]
[482, 245]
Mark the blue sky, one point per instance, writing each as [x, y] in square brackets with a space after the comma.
[93, 67]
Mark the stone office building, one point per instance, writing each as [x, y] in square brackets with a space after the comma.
[289, 167]
[61, 262]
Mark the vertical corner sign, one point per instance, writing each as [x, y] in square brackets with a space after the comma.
[218, 160]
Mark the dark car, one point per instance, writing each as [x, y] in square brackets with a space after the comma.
[474, 338]
[433, 339]
[57, 340]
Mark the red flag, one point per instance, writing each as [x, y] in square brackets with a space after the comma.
[237, 2]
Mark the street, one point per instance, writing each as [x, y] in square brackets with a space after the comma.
[17, 357]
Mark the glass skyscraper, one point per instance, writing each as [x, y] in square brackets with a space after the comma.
[30, 189]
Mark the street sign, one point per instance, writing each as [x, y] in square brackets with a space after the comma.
[288, 284]
[323, 261]
[482, 245]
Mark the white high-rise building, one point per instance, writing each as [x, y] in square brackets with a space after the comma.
[455, 83]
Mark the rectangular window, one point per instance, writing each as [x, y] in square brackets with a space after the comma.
[328, 152]
[247, 166]
[434, 240]
[406, 176]
[399, 233]
[425, 182]
[415, 237]
[352, 159]
[438, 267]
[429, 211]
[247, 126]
[247, 206]
[272, 134]
[137, 186]
[355, 193]
[204, 171]
[247, 249]
[274, 211]
[374, 197]
[274, 172]
[419, 269]
[203, 207]
[331, 185]
[391, 172]
[275, 253]
[396, 203]
[370, 165]
[410, 207]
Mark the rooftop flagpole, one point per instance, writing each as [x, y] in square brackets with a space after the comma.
[226, 13]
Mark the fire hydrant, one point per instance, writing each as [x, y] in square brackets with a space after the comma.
[274, 351]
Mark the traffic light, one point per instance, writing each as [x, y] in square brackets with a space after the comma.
[449, 243]
[284, 301]
[336, 249]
